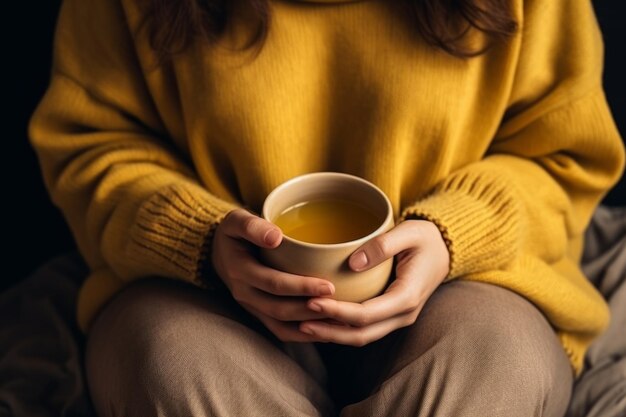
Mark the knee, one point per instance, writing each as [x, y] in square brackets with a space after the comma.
[502, 341]
[145, 347]
[508, 339]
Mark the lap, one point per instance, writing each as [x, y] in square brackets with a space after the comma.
[469, 337]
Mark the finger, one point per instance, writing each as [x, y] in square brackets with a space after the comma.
[279, 308]
[324, 331]
[281, 283]
[248, 269]
[385, 246]
[284, 331]
[397, 300]
[241, 224]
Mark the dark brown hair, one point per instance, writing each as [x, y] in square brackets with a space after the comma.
[174, 24]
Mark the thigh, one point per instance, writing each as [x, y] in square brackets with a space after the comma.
[475, 349]
[163, 347]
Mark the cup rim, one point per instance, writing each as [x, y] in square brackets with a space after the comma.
[354, 242]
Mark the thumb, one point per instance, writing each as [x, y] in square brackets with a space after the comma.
[241, 224]
[382, 247]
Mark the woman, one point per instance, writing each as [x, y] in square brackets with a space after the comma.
[167, 123]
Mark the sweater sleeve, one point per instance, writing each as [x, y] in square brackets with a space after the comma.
[133, 203]
[516, 217]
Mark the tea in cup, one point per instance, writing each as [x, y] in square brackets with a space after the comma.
[325, 217]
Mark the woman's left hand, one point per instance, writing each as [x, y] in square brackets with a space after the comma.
[423, 262]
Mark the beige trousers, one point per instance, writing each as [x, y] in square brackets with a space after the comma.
[162, 348]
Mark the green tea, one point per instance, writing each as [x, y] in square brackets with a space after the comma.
[327, 221]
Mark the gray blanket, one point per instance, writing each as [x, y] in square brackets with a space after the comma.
[41, 347]
[40, 344]
[601, 389]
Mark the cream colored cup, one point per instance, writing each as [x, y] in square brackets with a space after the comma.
[330, 261]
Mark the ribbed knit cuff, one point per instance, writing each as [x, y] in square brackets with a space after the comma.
[478, 218]
[174, 230]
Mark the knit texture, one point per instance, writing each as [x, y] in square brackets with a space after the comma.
[508, 153]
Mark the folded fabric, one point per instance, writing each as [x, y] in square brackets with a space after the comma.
[601, 389]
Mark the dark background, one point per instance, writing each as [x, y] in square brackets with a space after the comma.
[35, 230]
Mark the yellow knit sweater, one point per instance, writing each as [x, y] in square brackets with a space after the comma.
[508, 153]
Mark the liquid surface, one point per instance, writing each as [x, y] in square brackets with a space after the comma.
[327, 221]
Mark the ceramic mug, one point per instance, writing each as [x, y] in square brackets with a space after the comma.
[330, 261]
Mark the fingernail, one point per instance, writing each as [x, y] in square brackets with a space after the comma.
[358, 260]
[315, 307]
[307, 330]
[325, 290]
[271, 237]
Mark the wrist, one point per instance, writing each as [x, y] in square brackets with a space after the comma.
[207, 276]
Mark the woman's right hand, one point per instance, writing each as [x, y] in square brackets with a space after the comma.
[278, 299]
